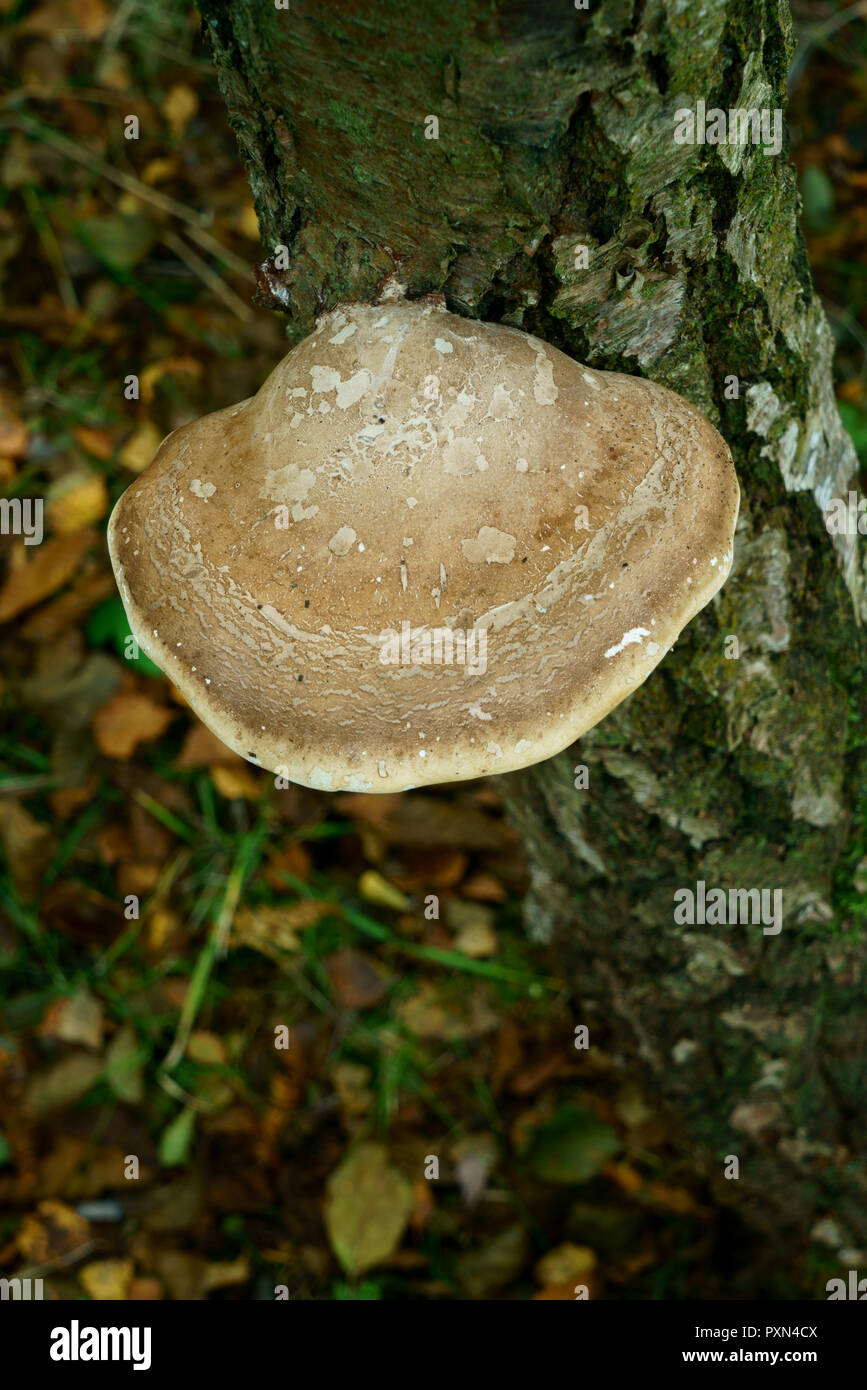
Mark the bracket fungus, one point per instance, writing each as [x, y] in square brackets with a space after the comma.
[429, 548]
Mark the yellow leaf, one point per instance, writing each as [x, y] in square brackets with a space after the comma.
[138, 451]
[79, 501]
[377, 889]
[107, 1279]
[180, 106]
[237, 782]
[367, 1207]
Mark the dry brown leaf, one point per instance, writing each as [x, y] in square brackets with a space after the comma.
[154, 371]
[290, 858]
[357, 981]
[54, 1230]
[27, 845]
[41, 572]
[82, 19]
[145, 1290]
[78, 1018]
[483, 887]
[13, 434]
[430, 1014]
[68, 610]
[98, 442]
[423, 821]
[201, 748]
[352, 1084]
[129, 718]
[272, 928]
[63, 1083]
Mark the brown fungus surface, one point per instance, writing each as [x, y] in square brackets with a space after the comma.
[428, 548]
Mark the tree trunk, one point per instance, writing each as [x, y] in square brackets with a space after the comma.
[738, 764]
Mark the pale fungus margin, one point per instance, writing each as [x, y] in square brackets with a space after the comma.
[264, 564]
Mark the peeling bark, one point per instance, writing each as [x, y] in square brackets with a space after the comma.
[555, 131]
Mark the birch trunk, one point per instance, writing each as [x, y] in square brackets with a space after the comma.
[746, 771]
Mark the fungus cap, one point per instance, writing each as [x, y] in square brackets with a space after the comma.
[428, 549]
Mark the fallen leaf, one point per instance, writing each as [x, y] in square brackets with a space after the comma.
[495, 1264]
[166, 366]
[357, 981]
[291, 858]
[105, 1280]
[128, 719]
[206, 1048]
[77, 501]
[28, 846]
[478, 940]
[63, 1083]
[352, 1084]
[271, 928]
[65, 19]
[201, 748]
[431, 1014]
[45, 568]
[179, 107]
[402, 818]
[376, 889]
[145, 1289]
[77, 1018]
[52, 1231]
[368, 1204]
[124, 1065]
[571, 1147]
[139, 450]
[97, 442]
[238, 783]
[13, 433]
[566, 1264]
[484, 887]
[176, 1139]
[223, 1274]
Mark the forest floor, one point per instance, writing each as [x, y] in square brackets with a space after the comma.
[253, 1038]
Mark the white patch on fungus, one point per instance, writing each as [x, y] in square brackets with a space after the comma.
[635, 634]
[490, 546]
[290, 483]
[544, 389]
[342, 541]
[203, 490]
[442, 346]
[325, 378]
[502, 406]
[352, 390]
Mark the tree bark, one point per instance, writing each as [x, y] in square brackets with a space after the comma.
[556, 131]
